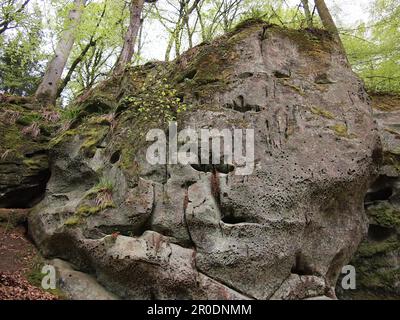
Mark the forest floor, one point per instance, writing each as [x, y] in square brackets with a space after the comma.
[18, 257]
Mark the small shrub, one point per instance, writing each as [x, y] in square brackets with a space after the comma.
[33, 130]
[104, 185]
[157, 101]
[69, 114]
[104, 194]
[51, 115]
[10, 116]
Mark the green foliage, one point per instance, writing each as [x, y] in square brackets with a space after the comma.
[274, 12]
[21, 55]
[12, 14]
[385, 215]
[69, 113]
[35, 276]
[104, 185]
[373, 48]
[157, 101]
[102, 24]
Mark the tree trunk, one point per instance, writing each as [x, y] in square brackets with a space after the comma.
[47, 91]
[128, 49]
[169, 47]
[326, 17]
[92, 42]
[328, 22]
[307, 13]
[74, 65]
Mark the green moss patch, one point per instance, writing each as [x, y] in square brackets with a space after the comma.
[385, 215]
[323, 113]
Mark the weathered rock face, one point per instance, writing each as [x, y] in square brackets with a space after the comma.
[24, 167]
[78, 285]
[202, 232]
[377, 261]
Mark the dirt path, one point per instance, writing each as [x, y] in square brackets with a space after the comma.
[17, 257]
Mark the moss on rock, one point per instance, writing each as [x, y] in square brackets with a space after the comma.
[322, 112]
[385, 215]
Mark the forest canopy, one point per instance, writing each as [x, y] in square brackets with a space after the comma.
[84, 41]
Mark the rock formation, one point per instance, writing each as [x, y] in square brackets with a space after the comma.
[202, 232]
[377, 260]
[24, 167]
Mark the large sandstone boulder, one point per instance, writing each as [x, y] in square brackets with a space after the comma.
[203, 232]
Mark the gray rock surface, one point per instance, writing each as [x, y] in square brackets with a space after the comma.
[193, 232]
[77, 285]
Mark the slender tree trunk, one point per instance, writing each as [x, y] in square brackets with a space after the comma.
[169, 46]
[140, 41]
[47, 91]
[92, 42]
[128, 49]
[74, 65]
[178, 40]
[328, 22]
[174, 40]
[190, 35]
[307, 12]
[326, 17]
[202, 25]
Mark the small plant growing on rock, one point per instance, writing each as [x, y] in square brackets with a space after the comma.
[157, 100]
[101, 195]
[104, 193]
[69, 113]
[67, 116]
[10, 116]
[50, 115]
[108, 119]
[32, 130]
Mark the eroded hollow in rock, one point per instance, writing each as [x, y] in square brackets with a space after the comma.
[30, 194]
[229, 216]
[379, 233]
[301, 266]
[381, 189]
[380, 194]
[231, 219]
[221, 168]
[115, 157]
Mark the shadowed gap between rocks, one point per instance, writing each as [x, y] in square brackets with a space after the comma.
[28, 197]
